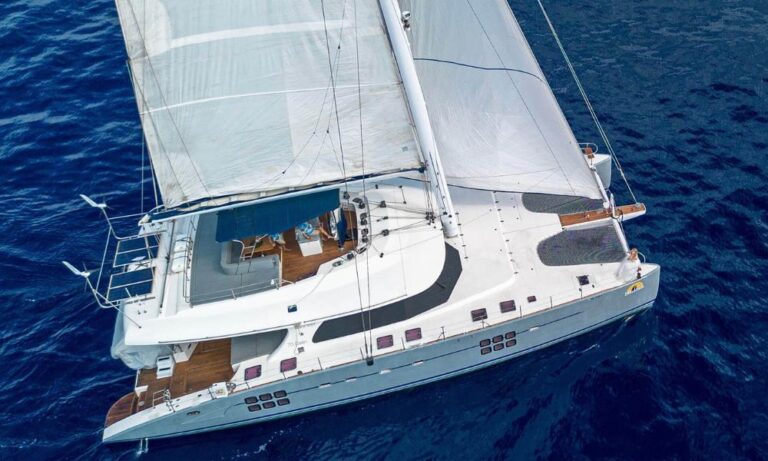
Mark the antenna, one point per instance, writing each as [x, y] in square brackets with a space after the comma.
[103, 302]
[92, 203]
[76, 271]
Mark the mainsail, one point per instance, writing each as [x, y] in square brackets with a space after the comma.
[496, 122]
[238, 100]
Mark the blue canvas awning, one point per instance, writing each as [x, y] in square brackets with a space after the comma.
[273, 216]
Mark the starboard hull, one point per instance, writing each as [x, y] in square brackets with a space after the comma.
[400, 370]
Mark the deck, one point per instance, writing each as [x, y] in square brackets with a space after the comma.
[209, 364]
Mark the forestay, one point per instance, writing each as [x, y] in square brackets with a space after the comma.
[237, 102]
[496, 122]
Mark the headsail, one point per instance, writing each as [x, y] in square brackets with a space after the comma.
[236, 97]
[497, 123]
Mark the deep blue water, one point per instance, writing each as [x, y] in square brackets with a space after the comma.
[681, 87]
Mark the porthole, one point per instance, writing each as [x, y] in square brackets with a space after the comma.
[266, 396]
[280, 394]
[498, 347]
[485, 350]
[511, 342]
[256, 407]
[251, 400]
[510, 335]
[269, 404]
[193, 413]
[485, 342]
[498, 339]
[282, 402]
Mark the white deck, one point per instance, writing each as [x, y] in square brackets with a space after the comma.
[497, 245]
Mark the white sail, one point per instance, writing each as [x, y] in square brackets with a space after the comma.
[496, 122]
[236, 96]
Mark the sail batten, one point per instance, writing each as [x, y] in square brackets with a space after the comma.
[496, 121]
[236, 97]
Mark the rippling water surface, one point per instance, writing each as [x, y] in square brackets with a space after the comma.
[681, 87]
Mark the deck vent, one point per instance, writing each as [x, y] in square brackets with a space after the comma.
[384, 342]
[532, 299]
[583, 280]
[414, 334]
[252, 372]
[507, 306]
[479, 314]
[288, 365]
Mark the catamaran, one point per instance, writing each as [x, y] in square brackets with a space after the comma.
[353, 197]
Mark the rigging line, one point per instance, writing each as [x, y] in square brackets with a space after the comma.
[317, 121]
[140, 95]
[519, 94]
[142, 173]
[362, 161]
[165, 103]
[341, 149]
[591, 109]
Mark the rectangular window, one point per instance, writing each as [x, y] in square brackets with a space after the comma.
[507, 306]
[413, 334]
[252, 372]
[288, 364]
[384, 342]
[479, 314]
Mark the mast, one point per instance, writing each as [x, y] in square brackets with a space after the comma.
[418, 106]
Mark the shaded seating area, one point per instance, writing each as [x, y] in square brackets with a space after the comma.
[263, 246]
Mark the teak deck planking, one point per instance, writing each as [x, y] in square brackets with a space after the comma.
[297, 267]
[210, 363]
[595, 215]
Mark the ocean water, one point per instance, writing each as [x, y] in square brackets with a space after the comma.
[681, 87]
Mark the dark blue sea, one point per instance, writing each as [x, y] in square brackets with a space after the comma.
[682, 89]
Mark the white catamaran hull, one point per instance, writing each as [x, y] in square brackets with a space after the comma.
[396, 371]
